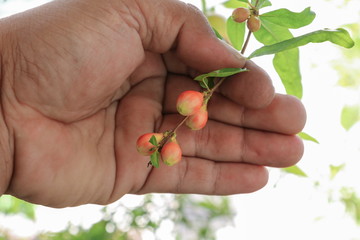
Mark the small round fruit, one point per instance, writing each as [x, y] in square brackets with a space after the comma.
[241, 14]
[171, 153]
[254, 23]
[198, 120]
[189, 102]
[143, 145]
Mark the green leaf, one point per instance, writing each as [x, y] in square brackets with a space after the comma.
[286, 18]
[153, 141]
[307, 137]
[236, 33]
[339, 36]
[334, 170]
[218, 35]
[285, 63]
[207, 83]
[224, 72]
[235, 3]
[261, 3]
[350, 115]
[271, 33]
[295, 170]
[287, 67]
[155, 159]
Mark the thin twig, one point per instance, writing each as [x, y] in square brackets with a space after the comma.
[246, 43]
[179, 125]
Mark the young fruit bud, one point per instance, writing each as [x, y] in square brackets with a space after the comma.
[189, 102]
[143, 145]
[254, 23]
[198, 120]
[171, 153]
[241, 14]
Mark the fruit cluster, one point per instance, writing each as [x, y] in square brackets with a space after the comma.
[251, 15]
[192, 105]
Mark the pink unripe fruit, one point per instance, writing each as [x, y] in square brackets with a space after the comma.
[189, 102]
[198, 120]
[143, 145]
[254, 23]
[241, 14]
[171, 153]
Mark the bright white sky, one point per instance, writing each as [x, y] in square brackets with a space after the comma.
[289, 207]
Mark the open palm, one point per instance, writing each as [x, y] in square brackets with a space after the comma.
[84, 79]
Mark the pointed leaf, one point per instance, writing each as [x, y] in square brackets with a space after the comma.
[153, 140]
[287, 67]
[350, 115]
[296, 171]
[218, 35]
[339, 36]
[271, 33]
[334, 170]
[285, 63]
[224, 72]
[307, 137]
[286, 18]
[155, 159]
[261, 3]
[235, 3]
[236, 33]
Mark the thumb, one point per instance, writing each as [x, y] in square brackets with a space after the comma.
[175, 25]
[199, 47]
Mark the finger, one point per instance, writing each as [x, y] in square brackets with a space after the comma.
[227, 143]
[195, 175]
[184, 29]
[252, 89]
[285, 114]
[199, 48]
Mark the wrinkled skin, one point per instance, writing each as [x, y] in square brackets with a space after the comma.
[81, 80]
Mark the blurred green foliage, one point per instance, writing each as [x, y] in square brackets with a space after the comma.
[349, 72]
[352, 202]
[96, 232]
[193, 217]
[10, 206]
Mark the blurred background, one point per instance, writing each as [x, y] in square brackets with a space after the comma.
[320, 199]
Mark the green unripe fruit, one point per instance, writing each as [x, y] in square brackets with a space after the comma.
[198, 120]
[254, 23]
[143, 145]
[189, 102]
[241, 14]
[171, 153]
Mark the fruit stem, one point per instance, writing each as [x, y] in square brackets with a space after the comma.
[246, 42]
[171, 134]
[179, 125]
[217, 85]
[249, 3]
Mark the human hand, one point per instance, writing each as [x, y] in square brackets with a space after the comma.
[81, 80]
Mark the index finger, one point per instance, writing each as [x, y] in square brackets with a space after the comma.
[251, 89]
